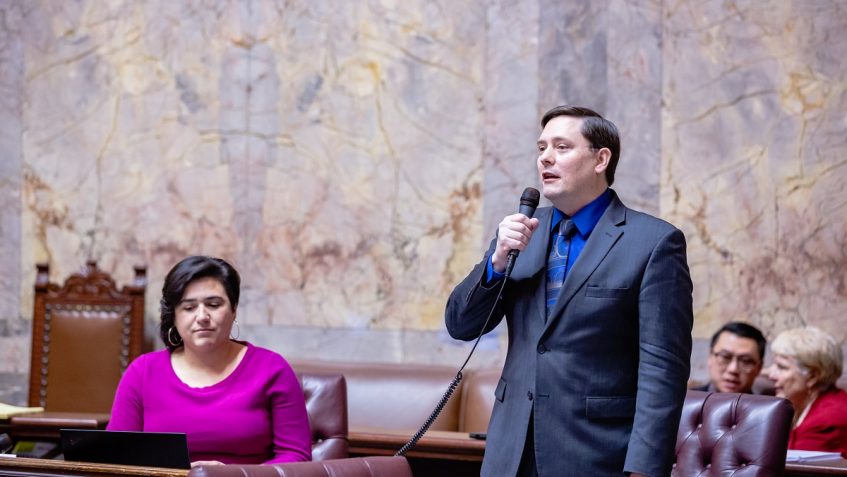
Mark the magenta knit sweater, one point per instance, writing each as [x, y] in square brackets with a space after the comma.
[255, 415]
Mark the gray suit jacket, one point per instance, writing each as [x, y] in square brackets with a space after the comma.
[606, 373]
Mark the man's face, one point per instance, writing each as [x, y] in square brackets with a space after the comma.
[571, 172]
[734, 363]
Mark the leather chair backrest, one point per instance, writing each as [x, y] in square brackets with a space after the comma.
[326, 404]
[84, 334]
[356, 467]
[393, 396]
[732, 434]
[478, 399]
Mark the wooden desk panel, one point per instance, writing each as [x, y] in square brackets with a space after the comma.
[441, 446]
[433, 445]
[21, 466]
[46, 425]
[821, 468]
[437, 454]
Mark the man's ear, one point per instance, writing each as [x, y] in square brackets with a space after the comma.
[604, 155]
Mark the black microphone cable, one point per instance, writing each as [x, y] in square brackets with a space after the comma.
[528, 204]
[456, 380]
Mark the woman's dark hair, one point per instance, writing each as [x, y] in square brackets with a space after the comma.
[178, 279]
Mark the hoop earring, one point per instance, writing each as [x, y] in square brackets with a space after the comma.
[171, 340]
[238, 330]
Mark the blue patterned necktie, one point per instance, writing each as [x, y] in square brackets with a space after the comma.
[557, 261]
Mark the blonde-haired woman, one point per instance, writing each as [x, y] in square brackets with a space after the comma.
[806, 364]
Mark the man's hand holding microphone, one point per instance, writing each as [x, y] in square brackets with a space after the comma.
[514, 232]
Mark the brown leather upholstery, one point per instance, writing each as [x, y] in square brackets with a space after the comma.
[478, 399]
[84, 334]
[358, 467]
[326, 404]
[394, 396]
[732, 434]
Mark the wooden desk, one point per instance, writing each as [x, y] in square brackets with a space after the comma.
[437, 454]
[46, 425]
[820, 468]
[433, 445]
[21, 466]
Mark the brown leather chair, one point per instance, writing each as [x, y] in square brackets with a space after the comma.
[732, 434]
[326, 404]
[84, 334]
[393, 396]
[478, 399]
[357, 467]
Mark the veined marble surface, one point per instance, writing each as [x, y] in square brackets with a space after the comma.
[755, 159]
[329, 151]
[352, 159]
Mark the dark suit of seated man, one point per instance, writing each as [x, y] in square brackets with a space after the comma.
[736, 355]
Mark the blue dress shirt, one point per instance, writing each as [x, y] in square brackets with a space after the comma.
[585, 219]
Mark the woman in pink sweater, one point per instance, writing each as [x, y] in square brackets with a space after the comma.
[237, 403]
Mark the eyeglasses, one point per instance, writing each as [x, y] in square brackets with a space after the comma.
[745, 363]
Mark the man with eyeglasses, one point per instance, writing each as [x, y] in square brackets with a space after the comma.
[736, 357]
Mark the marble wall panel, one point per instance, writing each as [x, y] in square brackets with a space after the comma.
[634, 98]
[14, 341]
[330, 151]
[754, 158]
[389, 163]
[352, 159]
[511, 110]
[573, 54]
[376, 345]
[606, 55]
[11, 92]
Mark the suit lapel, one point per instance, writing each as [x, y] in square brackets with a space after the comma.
[604, 236]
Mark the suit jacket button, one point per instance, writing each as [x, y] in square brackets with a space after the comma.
[542, 349]
[529, 395]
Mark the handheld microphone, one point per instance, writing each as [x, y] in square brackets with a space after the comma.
[529, 202]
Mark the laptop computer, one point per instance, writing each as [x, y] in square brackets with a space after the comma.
[149, 449]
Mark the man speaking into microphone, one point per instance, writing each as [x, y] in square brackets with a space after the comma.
[599, 314]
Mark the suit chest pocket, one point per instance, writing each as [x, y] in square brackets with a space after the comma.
[594, 291]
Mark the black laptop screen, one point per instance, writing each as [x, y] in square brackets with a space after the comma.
[149, 449]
